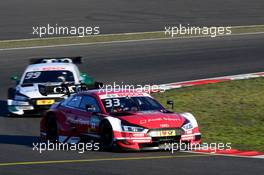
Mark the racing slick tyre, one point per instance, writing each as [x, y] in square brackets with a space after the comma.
[52, 129]
[11, 93]
[106, 135]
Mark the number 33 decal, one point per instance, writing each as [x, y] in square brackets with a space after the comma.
[112, 102]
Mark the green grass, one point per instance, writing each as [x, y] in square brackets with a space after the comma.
[226, 112]
[4, 44]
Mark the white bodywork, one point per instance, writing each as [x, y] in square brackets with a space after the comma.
[19, 106]
[191, 118]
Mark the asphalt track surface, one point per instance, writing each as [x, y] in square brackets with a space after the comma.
[154, 62]
[17, 17]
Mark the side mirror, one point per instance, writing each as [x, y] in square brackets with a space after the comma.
[14, 78]
[90, 108]
[86, 79]
[171, 103]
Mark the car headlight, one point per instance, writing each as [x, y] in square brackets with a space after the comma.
[187, 126]
[20, 97]
[132, 128]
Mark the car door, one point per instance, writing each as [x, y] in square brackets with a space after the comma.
[93, 117]
[70, 110]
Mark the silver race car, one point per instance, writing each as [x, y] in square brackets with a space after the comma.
[28, 97]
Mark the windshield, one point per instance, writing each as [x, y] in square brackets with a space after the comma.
[131, 104]
[47, 76]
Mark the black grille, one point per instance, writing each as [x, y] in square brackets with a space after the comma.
[166, 139]
[53, 89]
[158, 141]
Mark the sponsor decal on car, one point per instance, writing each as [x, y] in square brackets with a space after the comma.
[45, 102]
[48, 68]
[104, 96]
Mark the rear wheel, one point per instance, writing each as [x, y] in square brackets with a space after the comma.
[52, 129]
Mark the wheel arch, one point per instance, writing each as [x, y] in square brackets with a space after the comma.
[191, 118]
[114, 122]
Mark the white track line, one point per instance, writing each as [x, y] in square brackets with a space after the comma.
[127, 41]
[227, 155]
[111, 34]
[190, 83]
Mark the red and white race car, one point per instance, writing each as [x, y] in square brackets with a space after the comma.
[126, 120]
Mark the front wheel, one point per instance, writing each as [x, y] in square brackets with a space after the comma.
[11, 93]
[107, 136]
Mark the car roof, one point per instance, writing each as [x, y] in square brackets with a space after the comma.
[51, 66]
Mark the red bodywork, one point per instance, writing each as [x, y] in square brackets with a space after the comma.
[78, 123]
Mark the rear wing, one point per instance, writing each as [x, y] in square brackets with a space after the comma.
[75, 60]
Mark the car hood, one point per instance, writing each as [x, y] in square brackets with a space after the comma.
[155, 119]
[32, 90]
